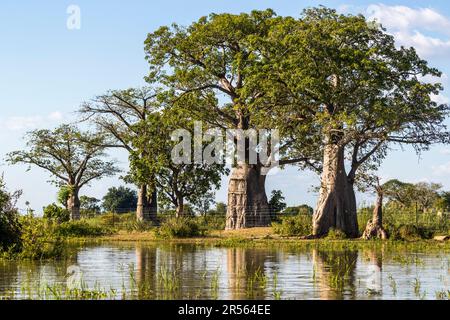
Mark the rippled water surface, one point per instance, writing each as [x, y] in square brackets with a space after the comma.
[140, 271]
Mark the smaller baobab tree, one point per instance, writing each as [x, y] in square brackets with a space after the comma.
[374, 227]
[74, 158]
[117, 114]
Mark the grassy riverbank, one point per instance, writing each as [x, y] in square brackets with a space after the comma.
[42, 238]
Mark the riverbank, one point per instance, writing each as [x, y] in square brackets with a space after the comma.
[264, 237]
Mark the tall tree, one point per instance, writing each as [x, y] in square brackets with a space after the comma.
[207, 65]
[276, 202]
[74, 158]
[178, 181]
[116, 113]
[349, 85]
[119, 200]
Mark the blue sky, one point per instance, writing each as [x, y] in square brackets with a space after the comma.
[47, 70]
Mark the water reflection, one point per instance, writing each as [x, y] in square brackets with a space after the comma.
[175, 271]
[246, 273]
[335, 273]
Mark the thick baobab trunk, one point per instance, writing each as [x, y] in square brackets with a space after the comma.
[336, 207]
[247, 201]
[374, 228]
[73, 204]
[146, 208]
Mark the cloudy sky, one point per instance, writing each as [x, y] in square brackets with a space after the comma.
[48, 69]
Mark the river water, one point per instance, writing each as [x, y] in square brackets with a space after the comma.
[181, 271]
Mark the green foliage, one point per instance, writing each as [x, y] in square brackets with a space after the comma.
[212, 221]
[407, 224]
[423, 195]
[202, 204]
[120, 200]
[89, 206]
[63, 195]
[178, 181]
[39, 239]
[138, 225]
[338, 79]
[219, 210]
[276, 203]
[298, 225]
[181, 227]
[56, 213]
[336, 234]
[10, 228]
[82, 228]
[73, 157]
[411, 232]
[443, 202]
[303, 209]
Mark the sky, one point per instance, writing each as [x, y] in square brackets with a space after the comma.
[49, 66]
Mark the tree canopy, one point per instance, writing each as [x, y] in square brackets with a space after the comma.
[119, 200]
[74, 158]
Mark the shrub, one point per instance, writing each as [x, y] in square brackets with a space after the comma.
[411, 232]
[212, 222]
[9, 218]
[335, 234]
[82, 228]
[138, 225]
[56, 213]
[116, 220]
[181, 227]
[299, 225]
[38, 239]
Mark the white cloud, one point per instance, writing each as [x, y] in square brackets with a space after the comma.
[16, 123]
[406, 18]
[409, 26]
[440, 170]
[440, 99]
[445, 151]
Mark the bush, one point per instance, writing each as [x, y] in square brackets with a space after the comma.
[56, 213]
[39, 240]
[410, 232]
[335, 234]
[116, 220]
[212, 222]
[181, 227]
[9, 218]
[299, 225]
[82, 228]
[138, 225]
[9, 228]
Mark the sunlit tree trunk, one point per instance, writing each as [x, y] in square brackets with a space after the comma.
[374, 228]
[147, 207]
[73, 204]
[142, 204]
[336, 207]
[247, 201]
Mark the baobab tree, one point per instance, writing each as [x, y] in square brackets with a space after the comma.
[117, 114]
[207, 65]
[178, 182]
[74, 158]
[343, 80]
[374, 228]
